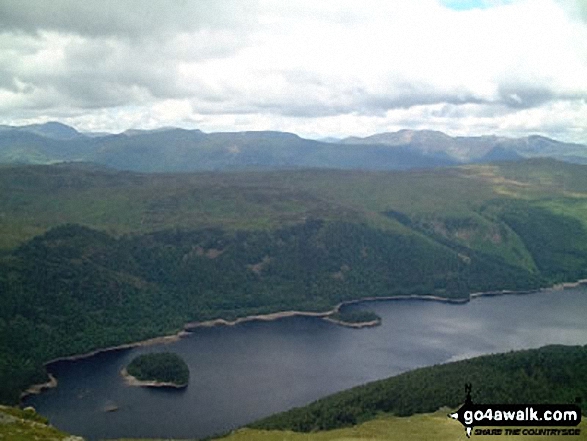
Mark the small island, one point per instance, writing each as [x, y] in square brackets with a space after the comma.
[354, 318]
[161, 369]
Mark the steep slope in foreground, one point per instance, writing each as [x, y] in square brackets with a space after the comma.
[431, 426]
[26, 425]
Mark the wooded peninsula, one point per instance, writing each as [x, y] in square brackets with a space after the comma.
[112, 257]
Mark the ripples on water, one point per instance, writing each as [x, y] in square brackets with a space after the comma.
[242, 373]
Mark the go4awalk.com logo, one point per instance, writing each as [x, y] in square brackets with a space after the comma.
[518, 419]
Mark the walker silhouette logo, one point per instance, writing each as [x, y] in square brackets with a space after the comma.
[519, 415]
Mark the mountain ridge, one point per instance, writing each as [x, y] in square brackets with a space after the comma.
[169, 149]
[470, 148]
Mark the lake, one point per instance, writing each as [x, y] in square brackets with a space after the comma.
[245, 372]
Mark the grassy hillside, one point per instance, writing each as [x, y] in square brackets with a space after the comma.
[16, 425]
[26, 425]
[91, 257]
[431, 426]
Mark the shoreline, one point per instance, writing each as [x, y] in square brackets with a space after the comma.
[36, 389]
[272, 316]
[134, 381]
[164, 339]
[359, 325]
[285, 314]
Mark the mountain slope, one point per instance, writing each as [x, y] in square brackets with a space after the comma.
[474, 149]
[150, 252]
[430, 426]
[179, 150]
[52, 130]
[552, 374]
[26, 425]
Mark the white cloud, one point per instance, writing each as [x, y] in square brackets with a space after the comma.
[314, 68]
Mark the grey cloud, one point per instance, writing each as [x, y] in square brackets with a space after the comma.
[130, 18]
[100, 67]
[96, 73]
[308, 104]
[406, 100]
[524, 96]
[7, 81]
[129, 53]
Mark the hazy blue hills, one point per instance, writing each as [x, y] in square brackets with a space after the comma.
[477, 148]
[173, 149]
[53, 130]
[178, 150]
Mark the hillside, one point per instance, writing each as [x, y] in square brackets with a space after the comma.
[552, 374]
[179, 150]
[476, 148]
[93, 257]
[414, 405]
[419, 427]
[373, 411]
[26, 425]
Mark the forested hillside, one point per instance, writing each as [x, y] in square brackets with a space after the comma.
[92, 258]
[552, 374]
[399, 408]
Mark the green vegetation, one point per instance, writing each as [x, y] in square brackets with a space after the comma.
[161, 367]
[26, 425]
[552, 374]
[355, 316]
[382, 428]
[73, 289]
[92, 258]
[174, 150]
[431, 426]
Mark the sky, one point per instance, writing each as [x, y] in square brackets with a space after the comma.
[329, 68]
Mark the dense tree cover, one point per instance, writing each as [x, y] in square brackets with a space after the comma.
[558, 243]
[74, 289]
[253, 243]
[552, 374]
[355, 316]
[164, 367]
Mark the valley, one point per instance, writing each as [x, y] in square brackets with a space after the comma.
[294, 221]
[94, 257]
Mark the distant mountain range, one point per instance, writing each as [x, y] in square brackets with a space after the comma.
[173, 149]
[477, 148]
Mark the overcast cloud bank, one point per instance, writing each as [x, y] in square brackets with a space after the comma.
[314, 68]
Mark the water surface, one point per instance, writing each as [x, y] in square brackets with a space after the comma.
[245, 372]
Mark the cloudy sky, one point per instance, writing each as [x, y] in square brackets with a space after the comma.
[316, 68]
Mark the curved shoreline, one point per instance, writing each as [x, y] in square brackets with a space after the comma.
[284, 314]
[134, 381]
[36, 389]
[358, 325]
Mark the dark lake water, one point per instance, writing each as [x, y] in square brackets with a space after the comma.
[242, 373]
